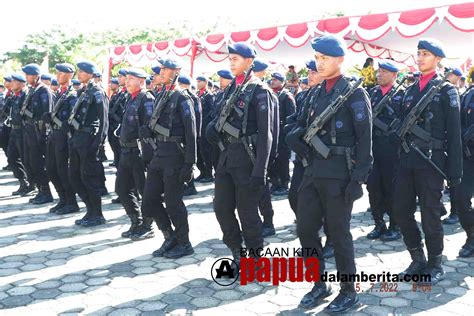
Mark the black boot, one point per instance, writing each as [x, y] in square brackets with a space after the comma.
[30, 189]
[434, 269]
[314, 297]
[145, 231]
[452, 219]
[180, 250]
[468, 249]
[61, 203]
[379, 229]
[346, 299]
[68, 209]
[393, 233]
[136, 222]
[328, 249]
[116, 200]
[235, 265]
[168, 244]
[267, 228]
[22, 188]
[418, 263]
[43, 197]
[190, 190]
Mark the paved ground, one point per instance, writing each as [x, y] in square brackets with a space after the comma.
[49, 266]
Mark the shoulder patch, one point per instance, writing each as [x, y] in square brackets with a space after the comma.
[453, 98]
[98, 96]
[359, 110]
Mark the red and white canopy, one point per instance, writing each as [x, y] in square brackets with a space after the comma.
[376, 35]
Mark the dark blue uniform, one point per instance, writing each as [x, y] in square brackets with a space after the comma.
[381, 179]
[57, 157]
[131, 167]
[464, 191]
[4, 112]
[34, 139]
[90, 117]
[204, 162]
[116, 109]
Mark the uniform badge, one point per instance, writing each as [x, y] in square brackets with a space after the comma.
[98, 96]
[453, 98]
[339, 124]
[359, 110]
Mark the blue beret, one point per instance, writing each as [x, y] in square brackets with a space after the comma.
[46, 77]
[65, 67]
[311, 64]
[7, 78]
[122, 72]
[148, 81]
[19, 77]
[433, 46]
[278, 76]
[31, 69]
[184, 79]
[259, 65]
[226, 74]
[54, 82]
[243, 49]
[329, 45]
[201, 78]
[88, 66]
[170, 63]
[389, 65]
[304, 80]
[269, 82]
[457, 71]
[156, 69]
[114, 81]
[416, 74]
[463, 77]
[75, 82]
[137, 72]
[97, 75]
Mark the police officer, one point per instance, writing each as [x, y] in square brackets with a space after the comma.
[15, 151]
[417, 176]
[463, 192]
[279, 171]
[54, 86]
[5, 98]
[184, 82]
[204, 162]
[331, 185]
[57, 148]
[37, 102]
[242, 168]
[46, 79]
[131, 168]
[117, 106]
[88, 127]
[265, 206]
[156, 83]
[380, 181]
[173, 126]
[76, 84]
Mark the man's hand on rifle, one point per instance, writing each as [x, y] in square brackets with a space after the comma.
[145, 132]
[46, 118]
[294, 139]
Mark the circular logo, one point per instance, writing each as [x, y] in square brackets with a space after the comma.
[225, 271]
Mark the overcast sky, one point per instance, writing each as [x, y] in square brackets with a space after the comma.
[90, 15]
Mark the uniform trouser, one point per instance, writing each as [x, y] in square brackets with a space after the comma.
[205, 150]
[280, 169]
[454, 206]
[427, 184]
[34, 146]
[85, 177]
[57, 159]
[380, 185]
[130, 177]
[265, 204]
[232, 191]
[322, 200]
[463, 194]
[166, 181]
[298, 171]
[114, 144]
[216, 152]
[15, 154]
[4, 137]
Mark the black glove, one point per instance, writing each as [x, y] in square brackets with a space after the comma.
[295, 142]
[452, 182]
[186, 173]
[212, 135]
[145, 132]
[256, 183]
[46, 118]
[353, 192]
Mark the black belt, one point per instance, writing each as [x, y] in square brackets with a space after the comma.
[13, 126]
[129, 149]
[171, 139]
[378, 132]
[232, 140]
[86, 129]
[434, 143]
[131, 144]
[341, 150]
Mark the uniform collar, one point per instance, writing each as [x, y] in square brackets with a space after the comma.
[386, 89]
[424, 79]
[17, 93]
[330, 83]
[134, 94]
[202, 91]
